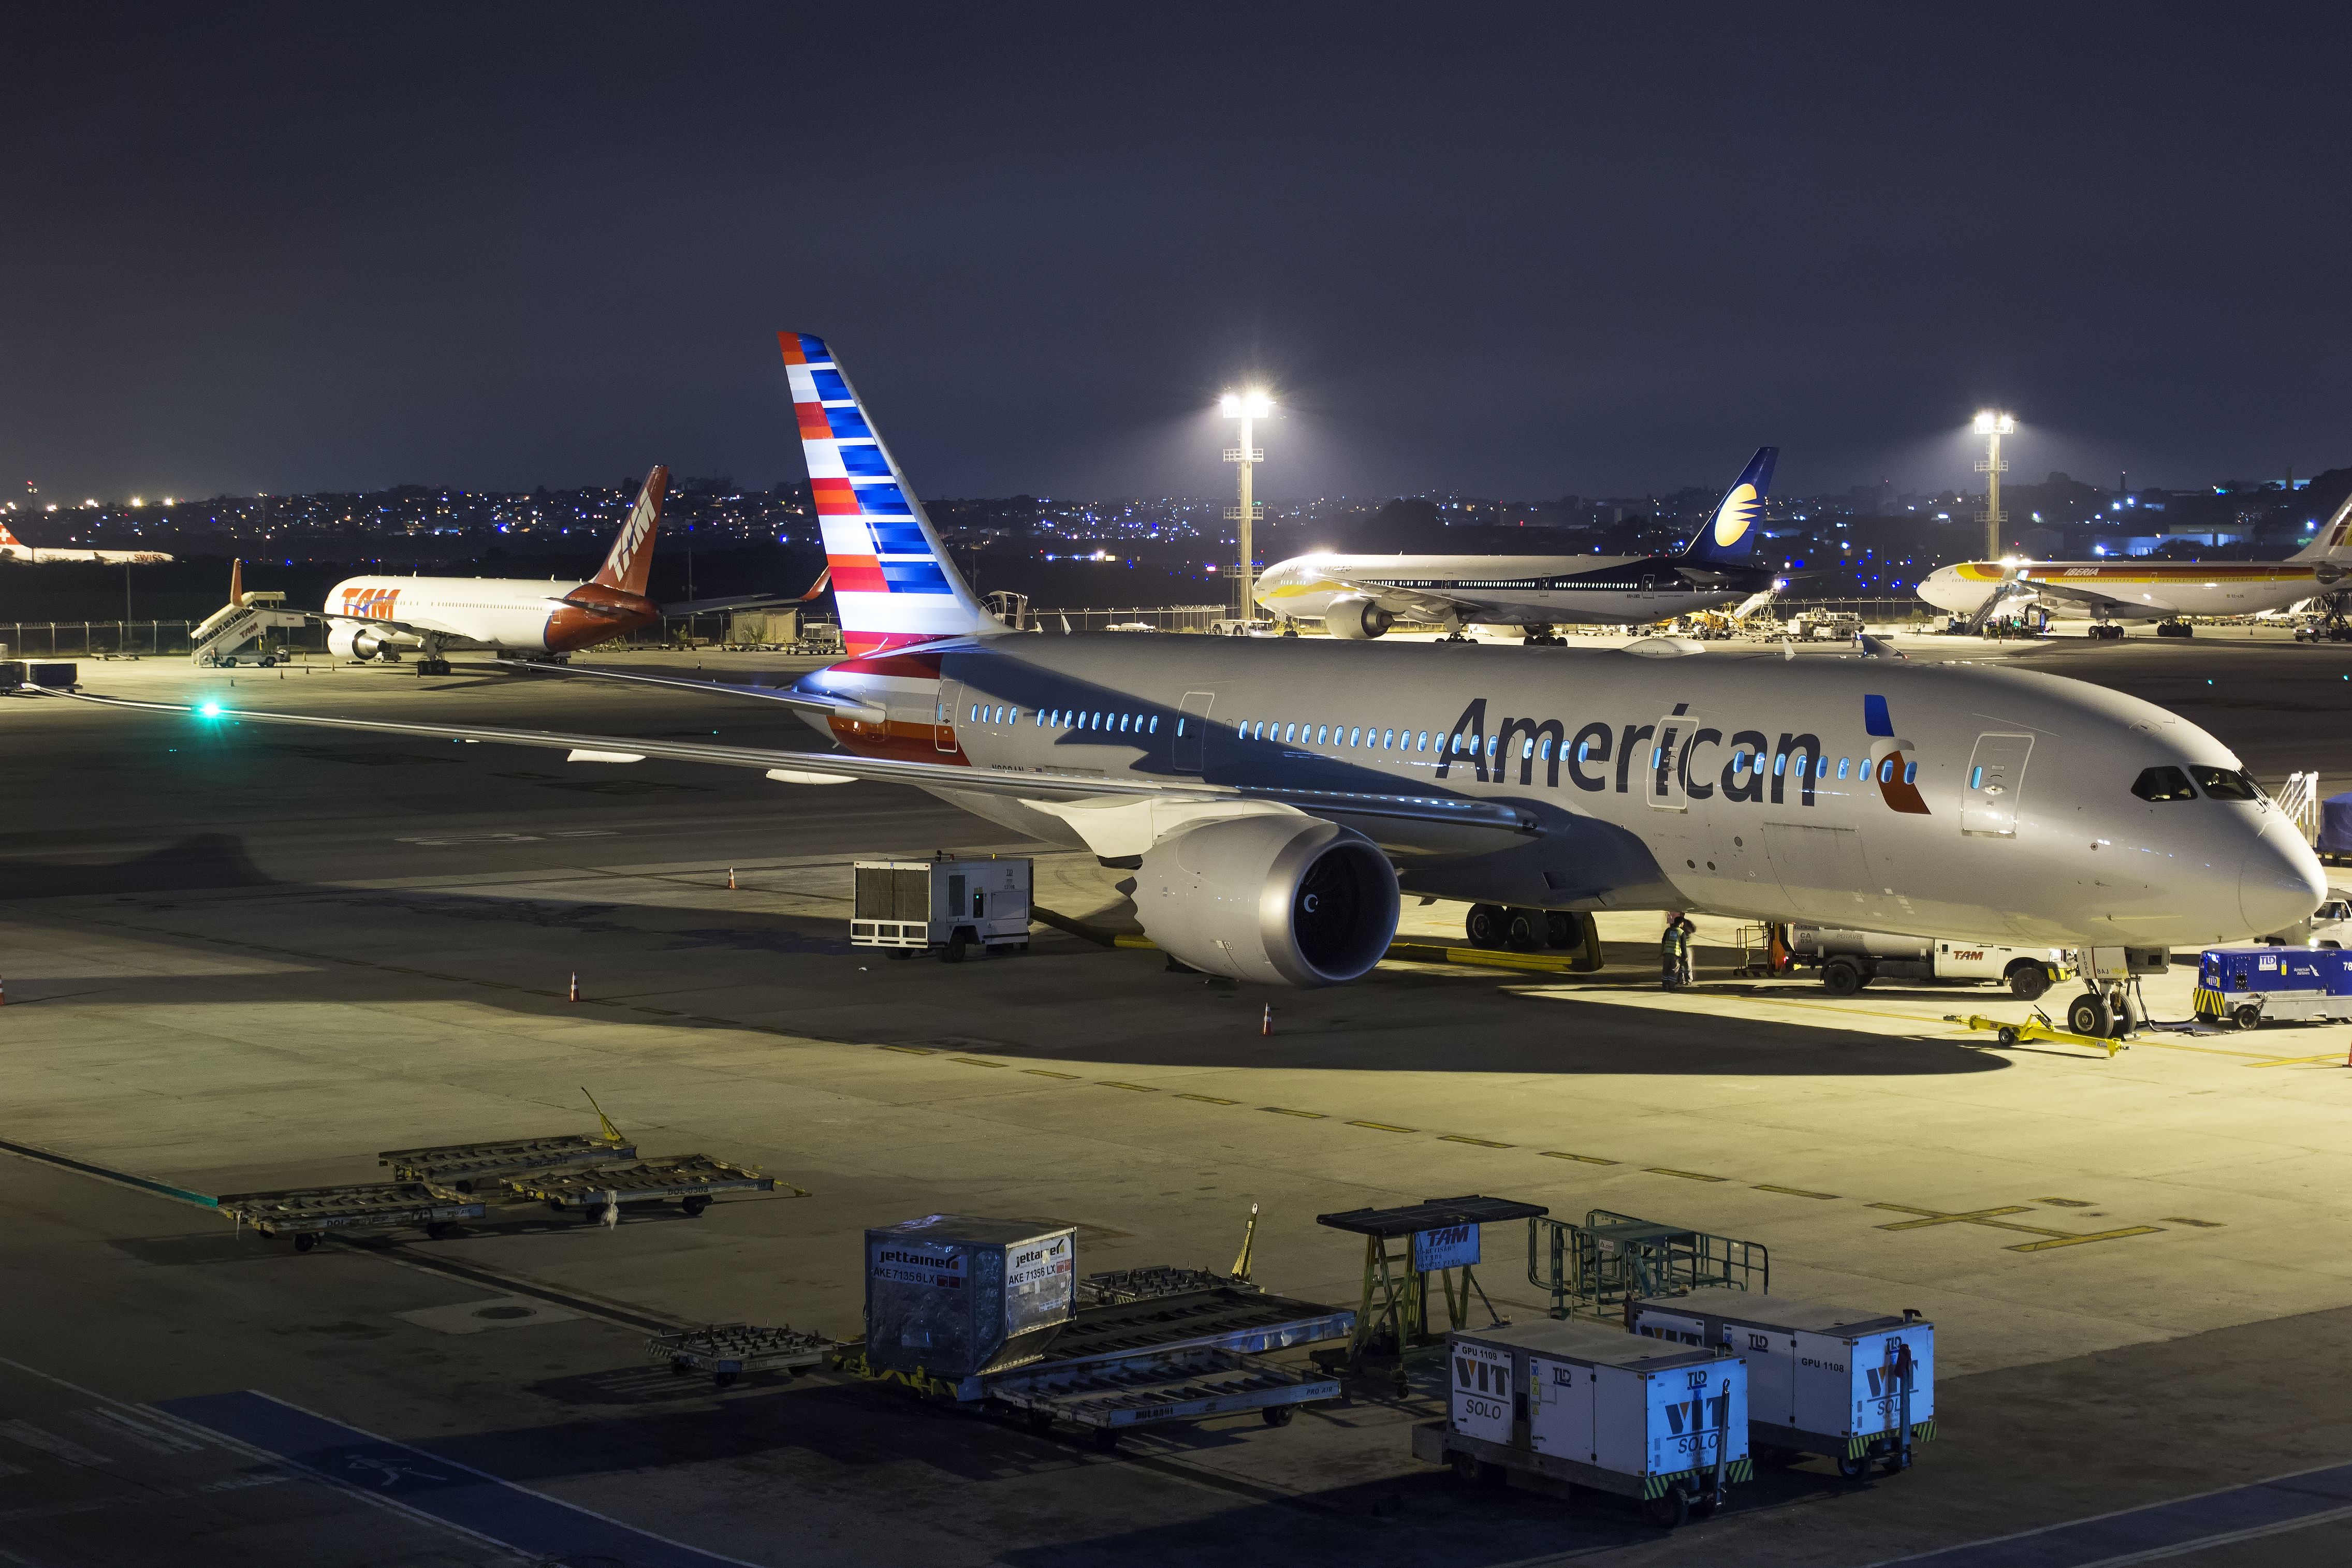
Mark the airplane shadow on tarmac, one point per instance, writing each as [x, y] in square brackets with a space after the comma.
[1067, 1000]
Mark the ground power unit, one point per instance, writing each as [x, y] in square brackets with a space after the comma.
[1577, 1403]
[2245, 986]
[946, 905]
[1857, 1385]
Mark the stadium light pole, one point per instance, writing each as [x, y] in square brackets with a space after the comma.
[1249, 407]
[1992, 424]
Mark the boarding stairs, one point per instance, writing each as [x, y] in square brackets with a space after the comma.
[226, 631]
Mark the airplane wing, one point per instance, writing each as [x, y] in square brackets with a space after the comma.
[2090, 598]
[1414, 603]
[1046, 789]
[811, 702]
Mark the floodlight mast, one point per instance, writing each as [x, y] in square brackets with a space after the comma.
[1248, 407]
[1992, 424]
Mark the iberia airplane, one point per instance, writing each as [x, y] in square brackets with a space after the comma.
[14, 549]
[2107, 592]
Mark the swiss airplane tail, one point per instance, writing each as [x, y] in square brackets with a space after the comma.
[2330, 543]
[8, 539]
[1728, 536]
[891, 577]
[631, 559]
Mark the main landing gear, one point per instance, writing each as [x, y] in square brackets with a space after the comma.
[2106, 630]
[433, 666]
[2175, 629]
[1540, 636]
[1496, 926]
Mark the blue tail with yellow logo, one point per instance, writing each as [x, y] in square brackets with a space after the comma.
[1728, 536]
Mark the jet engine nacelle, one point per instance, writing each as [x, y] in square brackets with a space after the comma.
[348, 642]
[1356, 619]
[1283, 900]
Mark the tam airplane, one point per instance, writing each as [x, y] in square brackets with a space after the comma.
[2107, 592]
[1273, 800]
[14, 549]
[383, 618]
[1359, 597]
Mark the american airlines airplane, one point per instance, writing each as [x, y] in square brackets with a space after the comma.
[1359, 597]
[380, 618]
[1274, 799]
[2107, 592]
[14, 549]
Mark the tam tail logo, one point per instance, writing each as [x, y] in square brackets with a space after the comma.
[631, 559]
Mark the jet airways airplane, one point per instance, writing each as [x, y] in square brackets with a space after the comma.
[14, 549]
[2107, 592]
[1357, 597]
[1274, 800]
[380, 618]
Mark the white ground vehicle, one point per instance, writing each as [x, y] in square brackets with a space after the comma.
[946, 905]
[2330, 926]
[1850, 961]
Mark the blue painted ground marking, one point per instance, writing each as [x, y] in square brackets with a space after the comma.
[2263, 1508]
[455, 1494]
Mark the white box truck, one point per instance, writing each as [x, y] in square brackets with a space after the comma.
[1850, 961]
[1855, 1384]
[947, 904]
[1551, 1402]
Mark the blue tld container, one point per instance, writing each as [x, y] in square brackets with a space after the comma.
[2285, 983]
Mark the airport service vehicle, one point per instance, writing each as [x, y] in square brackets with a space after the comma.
[2113, 590]
[16, 549]
[1850, 961]
[384, 618]
[1274, 797]
[945, 904]
[1358, 597]
[2246, 986]
[1856, 1384]
[1577, 1403]
[2330, 926]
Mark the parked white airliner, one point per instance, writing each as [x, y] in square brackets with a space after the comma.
[14, 549]
[1275, 797]
[380, 618]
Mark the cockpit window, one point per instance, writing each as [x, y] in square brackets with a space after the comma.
[2164, 784]
[2227, 784]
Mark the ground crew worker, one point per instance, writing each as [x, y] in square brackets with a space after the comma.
[1673, 952]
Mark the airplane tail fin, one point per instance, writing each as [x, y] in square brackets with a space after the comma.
[823, 578]
[2333, 541]
[1728, 536]
[891, 577]
[631, 559]
[8, 539]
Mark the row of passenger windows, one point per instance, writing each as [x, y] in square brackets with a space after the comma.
[1067, 718]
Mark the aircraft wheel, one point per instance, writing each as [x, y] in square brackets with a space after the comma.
[2090, 1015]
[1559, 930]
[1486, 925]
[1525, 930]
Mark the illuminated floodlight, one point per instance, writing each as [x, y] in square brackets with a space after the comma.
[136, 501]
[209, 710]
[1991, 421]
[1230, 406]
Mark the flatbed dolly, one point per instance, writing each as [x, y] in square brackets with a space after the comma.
[308, 1213]
[691, 1179]
[728, 1350]
[462, 1167]
[1111, 1397]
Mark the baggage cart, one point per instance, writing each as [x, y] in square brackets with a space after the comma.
[947, 904]
[691, 1180]
[461, 1167]
[728, 1350]
[1855, 1384]
[2248, 986]
[308, 1213]
[1552, 1402]
[1115, 1286]
[954, 1297]
[1109, 1397]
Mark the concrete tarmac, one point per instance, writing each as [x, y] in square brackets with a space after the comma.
[249, 956]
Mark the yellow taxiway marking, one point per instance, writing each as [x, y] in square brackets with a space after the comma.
[1687, 1175]
[2200, 1223]
[1208, 1099]
[1047, 1072]
[1792, 1191]
[1383, 1127]
[1974, 1217]
[1466, 1138]
[1139, 1088]
[2078, 1240]
[1582, 1159]
[1286, 1111]
[2331, 1057]
[974, 1061]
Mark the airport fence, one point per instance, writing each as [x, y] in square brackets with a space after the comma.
[121, 639]
[1160, 617]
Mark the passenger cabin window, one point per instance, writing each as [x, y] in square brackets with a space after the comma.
[2163, 784]
[2226, 784]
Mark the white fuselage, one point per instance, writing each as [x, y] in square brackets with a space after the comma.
[2132, 589]
[1501, 589]
[32, 556]
[462, 613]
[1937, 801]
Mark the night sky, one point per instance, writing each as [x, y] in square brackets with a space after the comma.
[1474, 248]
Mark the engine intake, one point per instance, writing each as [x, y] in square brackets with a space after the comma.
[1281, 900]
[1356, 619]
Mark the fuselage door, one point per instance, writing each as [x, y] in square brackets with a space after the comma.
[1666, 788]
[1191, 731]
[943, 717]
[1988, 795]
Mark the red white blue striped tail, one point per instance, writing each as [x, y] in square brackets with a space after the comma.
[891, 578]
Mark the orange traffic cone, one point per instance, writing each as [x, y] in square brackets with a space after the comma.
[1265, 1025]
[575, 985]
[731, 879]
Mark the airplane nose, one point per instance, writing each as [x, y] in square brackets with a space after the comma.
[2281, 881]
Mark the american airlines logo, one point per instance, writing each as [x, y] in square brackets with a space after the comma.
[370, 604]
